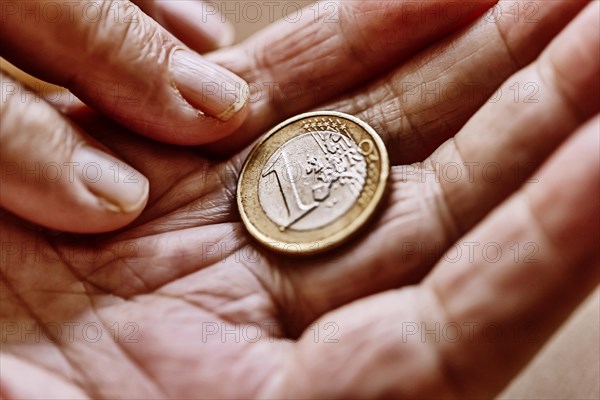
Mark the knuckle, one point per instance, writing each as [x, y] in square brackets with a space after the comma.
[124, 31]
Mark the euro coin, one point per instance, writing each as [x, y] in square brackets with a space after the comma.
[312, 182]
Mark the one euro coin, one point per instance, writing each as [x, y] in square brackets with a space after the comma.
[312, 182]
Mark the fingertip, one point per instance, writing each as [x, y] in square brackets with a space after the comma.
[118, 187]
[208, 87]
[233, 109]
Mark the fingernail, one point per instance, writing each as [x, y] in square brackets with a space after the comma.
[118, 186]
[207, 86]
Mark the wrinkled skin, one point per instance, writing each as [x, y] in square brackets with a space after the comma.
[186, 270]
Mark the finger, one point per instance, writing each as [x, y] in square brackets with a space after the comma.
[54, 176]
[198, 24]
[332, 47]
[474, 323]
[505, 141]
[124, 64]
[560, 222]
[429, 207]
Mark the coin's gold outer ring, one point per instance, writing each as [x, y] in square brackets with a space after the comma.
[337, 238]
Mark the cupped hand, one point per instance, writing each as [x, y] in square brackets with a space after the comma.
[480, 251]
[122, 63]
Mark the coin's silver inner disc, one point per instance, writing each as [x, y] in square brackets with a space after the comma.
[312, 180]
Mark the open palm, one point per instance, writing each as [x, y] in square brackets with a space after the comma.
[182, 303]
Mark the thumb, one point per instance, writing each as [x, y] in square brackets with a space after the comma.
[122, 63]
[52, 175]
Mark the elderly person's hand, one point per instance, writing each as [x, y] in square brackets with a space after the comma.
[122, 63]
[484, 246]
